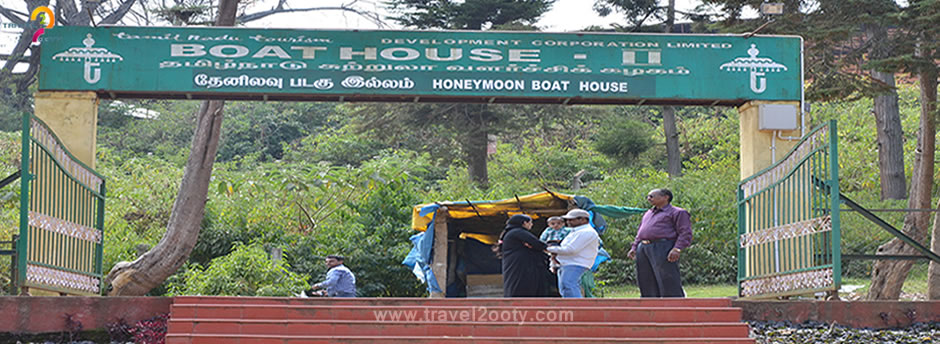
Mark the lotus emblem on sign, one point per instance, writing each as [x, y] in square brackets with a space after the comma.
[91, 56]
[757, 66]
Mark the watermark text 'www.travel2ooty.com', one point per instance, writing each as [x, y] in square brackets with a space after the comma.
[474, 314]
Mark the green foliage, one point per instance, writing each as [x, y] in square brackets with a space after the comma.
[375, 242]
[9, 200]
[168, 135]
[251, 127]
[468, 15]
[247, 271]
[259, 129]
[624, 139]
[636, 12]
[140, 194]
[335, 146]
[858, 171]
[714, 219]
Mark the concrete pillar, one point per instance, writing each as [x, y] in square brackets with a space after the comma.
[73, 116]
[759, 149]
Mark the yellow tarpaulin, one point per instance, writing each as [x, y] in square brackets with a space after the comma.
[537, 205]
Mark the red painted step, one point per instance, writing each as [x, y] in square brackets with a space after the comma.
[414, 320]
[454, 312]
[551, 302]
[453, 328]
[249, 339]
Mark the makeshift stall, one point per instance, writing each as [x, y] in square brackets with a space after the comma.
[453, 253]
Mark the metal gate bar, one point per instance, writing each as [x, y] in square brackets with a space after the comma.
[61, 217]
[788, 225]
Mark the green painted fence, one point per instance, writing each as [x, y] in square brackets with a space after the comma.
[788, 222]
[61, 217]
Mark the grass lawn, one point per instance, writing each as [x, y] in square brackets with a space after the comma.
[915, 288]
[718, 290]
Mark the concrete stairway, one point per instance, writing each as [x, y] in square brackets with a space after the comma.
[243, 320]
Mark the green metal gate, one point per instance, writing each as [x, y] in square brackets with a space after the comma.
[61, 217]
[788, 222]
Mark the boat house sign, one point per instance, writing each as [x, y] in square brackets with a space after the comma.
[465, 66]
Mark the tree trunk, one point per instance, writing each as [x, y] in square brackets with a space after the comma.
[890, 145]
[673, 156]
[474, 147]
[670, 16]
[152, 268]
[933, 271]
[888, 121]
[928, 106]
[887, 276]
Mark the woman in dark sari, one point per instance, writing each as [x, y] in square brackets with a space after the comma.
[525, 265]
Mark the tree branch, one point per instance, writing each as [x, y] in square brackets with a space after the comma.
[13, 16]
[119, 13]
[279, 9]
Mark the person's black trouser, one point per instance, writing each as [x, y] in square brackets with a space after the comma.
[655, 275]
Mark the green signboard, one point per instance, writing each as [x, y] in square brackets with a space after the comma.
[504, 67]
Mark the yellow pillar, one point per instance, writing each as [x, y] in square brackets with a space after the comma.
[73, 116]
[759, 149]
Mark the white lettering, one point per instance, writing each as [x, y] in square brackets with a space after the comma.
[605, 87]
[549, 85]
[433, 55]
[218, 51]
[410, 54]
[485, 55]
[308, 52]
[524, 55]
[347, 53]
[271, 50]
[187, 50]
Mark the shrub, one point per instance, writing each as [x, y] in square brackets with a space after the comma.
[246, 271]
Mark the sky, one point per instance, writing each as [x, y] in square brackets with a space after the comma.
[566, 15]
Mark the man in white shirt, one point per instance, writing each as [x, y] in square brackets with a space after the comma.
[576, 253]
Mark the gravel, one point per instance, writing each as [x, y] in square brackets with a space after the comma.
[814, 332]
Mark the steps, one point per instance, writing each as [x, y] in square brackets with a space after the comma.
[418, 320]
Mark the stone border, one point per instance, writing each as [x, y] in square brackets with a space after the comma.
[857, 314]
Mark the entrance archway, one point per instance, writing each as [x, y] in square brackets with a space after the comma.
[760, 75]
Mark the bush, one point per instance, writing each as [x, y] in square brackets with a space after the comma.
[624, 139]
[247, 271]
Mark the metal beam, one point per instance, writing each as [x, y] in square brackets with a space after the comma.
[881, 223]
[881, 257]
[10, 178]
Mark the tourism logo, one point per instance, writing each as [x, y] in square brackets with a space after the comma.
[46, 20]
[91, 56]
[757, 66]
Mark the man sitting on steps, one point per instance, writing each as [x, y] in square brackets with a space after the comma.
[340, 282]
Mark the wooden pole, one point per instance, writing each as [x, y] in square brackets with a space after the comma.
[439, 258]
